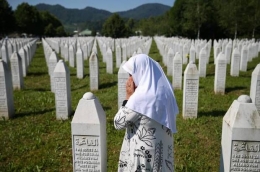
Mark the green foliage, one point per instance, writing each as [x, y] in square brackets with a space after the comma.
[114, 27]
[7, 21]
[51, 25]
[28, 19]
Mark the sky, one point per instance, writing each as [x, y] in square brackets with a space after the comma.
[109, 5]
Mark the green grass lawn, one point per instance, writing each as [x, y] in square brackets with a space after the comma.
[35, 141]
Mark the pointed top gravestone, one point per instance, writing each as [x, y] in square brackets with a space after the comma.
[62, 91]
[88, 128]
[240, 141]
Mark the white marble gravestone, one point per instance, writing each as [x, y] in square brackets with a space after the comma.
[52, 64]
[71, 56]
[17, 71]
[228, 50]
[109, 61]
[240, 141]
[124, 56]
[203, 62]
[66, 52]
[88, 128]
[235, 63]
[220, 74]
[190, 91]
[185, 53]
[80, 63]
[243, 61]
[23, 56]
[255, 87]
[118, 56]
[6, 92]
[170, 56]
[192, 57]
[94, 71]
[62, 91]
[177, 72]
[121, 85]
[5, 55]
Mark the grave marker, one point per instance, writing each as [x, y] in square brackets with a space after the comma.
[240, 142]
[177, 72]
[17, 71]
[80, 63]
[6, 92]
[122, 78]
[94, 71]
[88, 128]
[190, 91]
[62, 91]
[220, 74]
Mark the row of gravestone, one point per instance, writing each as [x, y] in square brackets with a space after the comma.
[68, 47]
[62, 83]
[191, 74]
[13, 67]
[240, 141]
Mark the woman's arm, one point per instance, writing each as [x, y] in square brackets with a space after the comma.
[125, 117]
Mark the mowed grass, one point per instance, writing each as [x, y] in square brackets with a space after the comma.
[35, 141]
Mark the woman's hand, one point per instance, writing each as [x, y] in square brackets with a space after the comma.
[130, 87]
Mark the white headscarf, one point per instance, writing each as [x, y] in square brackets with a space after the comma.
[154, 95]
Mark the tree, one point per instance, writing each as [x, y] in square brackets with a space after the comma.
[51, 25]
[231, 15]
[114, 27]
[195, 14]
[28, 19]
[253, 16]
[7, 21]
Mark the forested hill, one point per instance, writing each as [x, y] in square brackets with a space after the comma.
[93, 14]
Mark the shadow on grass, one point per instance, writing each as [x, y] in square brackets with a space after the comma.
[36, 73]
[214, 113]
[107, 85]
[23, 114]
[38, 89]
[77, 88]
[231, 89]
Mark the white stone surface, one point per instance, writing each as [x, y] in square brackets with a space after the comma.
[243, 62]
[190, 92]
[88, 128]
[23, 56]
[80, 63]
[228, 50]
[6, 90]
[177, 72]
[220, 74]
[17, 71]
[62, 91]
[170, 57]
[203, 62]
[71, 56]
[94, 71]
[235, 63]
[121, 85]
[240, 141]
[52, 64]
[255, 87]
[118, 56]
[192, 56]
[109, 60]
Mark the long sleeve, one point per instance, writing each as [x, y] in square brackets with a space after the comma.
[125, 117]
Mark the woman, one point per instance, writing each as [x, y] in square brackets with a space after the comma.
[149, 116]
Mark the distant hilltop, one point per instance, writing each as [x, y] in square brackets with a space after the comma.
[90, 14]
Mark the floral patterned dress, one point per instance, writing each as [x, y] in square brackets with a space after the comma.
[147, 145]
